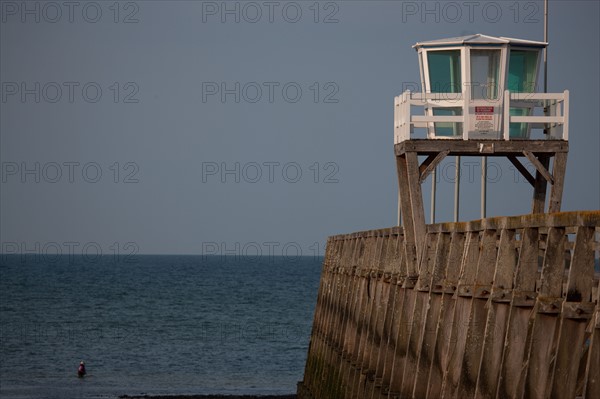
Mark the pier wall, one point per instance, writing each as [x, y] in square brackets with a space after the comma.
[502, 307]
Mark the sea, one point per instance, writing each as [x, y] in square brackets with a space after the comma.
[154, 325]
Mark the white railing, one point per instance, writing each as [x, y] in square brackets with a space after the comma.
[555, 120]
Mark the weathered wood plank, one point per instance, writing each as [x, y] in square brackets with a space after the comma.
[540, 187]
[545, 324]
[350, 344]
[444, 325]
[427, 162]
[556, 192]
[569, 220]
[416, 200]
[430, 166]
[329, 357]
[499, 307]
[472, 147]
[417, 315]
[358, 320]
[346, 311]
[402, 340]
[433, 307]
[393, 364]
[355, 299]
[478, 315]
[384, 316]
[396, 296]
[572, 328]
[370, 356]
[462, 317]
[541, 168]
[381, 378]
[373, 291]
[310, 371]
[370, 351]
[591, 388]
[522, 169]
[407, 218]
[365, 315]
[317, 339]
[519, 329]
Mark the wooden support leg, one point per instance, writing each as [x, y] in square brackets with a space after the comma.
[407, 216]
[416, 199]
[539, 188]
[558, 171]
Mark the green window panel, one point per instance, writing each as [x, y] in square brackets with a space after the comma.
[444, 71]
[445, 77]
[522, 69]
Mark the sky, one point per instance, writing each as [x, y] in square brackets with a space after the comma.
[243, 128]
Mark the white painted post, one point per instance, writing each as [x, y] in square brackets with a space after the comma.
[483, 187]
[406, 115]
[457, 188]
[433, 194]
[466, 89]
[506, 120]
[566, 116]
[396, 120]
[546, 48]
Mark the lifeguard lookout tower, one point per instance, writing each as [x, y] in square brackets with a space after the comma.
[500, 307]
[479, 98]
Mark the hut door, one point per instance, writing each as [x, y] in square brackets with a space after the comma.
[485, 92]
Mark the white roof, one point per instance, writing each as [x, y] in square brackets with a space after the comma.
[479, 39]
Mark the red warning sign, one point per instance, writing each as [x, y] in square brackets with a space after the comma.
[484, 110]
[484, 113]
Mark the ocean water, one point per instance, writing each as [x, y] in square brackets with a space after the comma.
[154, 325]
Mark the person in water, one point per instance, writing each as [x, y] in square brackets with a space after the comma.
[81, 370]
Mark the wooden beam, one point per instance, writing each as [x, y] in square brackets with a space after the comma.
[427, 162]
[558, 170]
[416, 201]
[541, 357]
[407, 217]
[477, 311]
[462, 317]
[432, 164]
[577, 311]
[419, 313]
[497, 319]
[591, 381]
[434, 310]
[473, 147]
[515, 161]
[539, 189]
[539, 166]
[445, 321]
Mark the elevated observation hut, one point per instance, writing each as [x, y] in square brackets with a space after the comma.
[478, 98]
